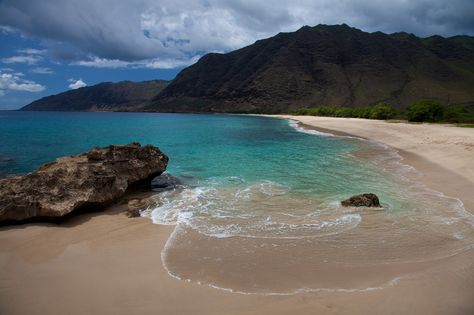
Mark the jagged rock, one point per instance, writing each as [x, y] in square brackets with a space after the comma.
[364, 200]
[164, 182]
[90, 180]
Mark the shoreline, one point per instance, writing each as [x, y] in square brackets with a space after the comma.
[447, 167]
[107, 263]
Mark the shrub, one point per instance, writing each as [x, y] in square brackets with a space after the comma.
[383, 111]
[458, 114]
[430, 111]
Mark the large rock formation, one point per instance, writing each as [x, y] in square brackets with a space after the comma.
[90, 180]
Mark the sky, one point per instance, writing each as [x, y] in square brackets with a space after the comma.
[51, 46]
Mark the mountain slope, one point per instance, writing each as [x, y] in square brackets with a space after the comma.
[107, 96]
[325, 65]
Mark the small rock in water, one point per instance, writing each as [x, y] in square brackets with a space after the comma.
[135, 206]
[164, 182]
[364, 200]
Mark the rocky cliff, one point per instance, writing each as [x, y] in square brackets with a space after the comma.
[90, 180]
[325, 66]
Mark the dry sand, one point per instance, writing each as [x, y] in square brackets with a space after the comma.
[106, 263]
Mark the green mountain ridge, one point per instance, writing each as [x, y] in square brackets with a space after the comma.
[106, 96]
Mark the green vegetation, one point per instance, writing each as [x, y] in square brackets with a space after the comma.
[379, 111]
[430, 111]
[359, 112]
[422, 111]
[383, 111]
[458, 114]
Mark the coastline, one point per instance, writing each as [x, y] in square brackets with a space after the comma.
[106, 263]
[443, 154]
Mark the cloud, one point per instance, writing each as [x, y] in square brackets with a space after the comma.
[121, 33]
[7, 30]
[15, 82]
[29, 56]
[157, 63]
[170, 63]
[97, 62]
[75, 84]
[42, 70]
[32, 51]
[28, 59]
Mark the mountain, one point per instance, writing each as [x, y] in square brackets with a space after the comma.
[107, 96]
[325, 65]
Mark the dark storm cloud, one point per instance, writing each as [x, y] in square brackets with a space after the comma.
[168, 32]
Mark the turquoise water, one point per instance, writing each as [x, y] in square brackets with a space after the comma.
[260, 200]
[201, 146]
[226, 149]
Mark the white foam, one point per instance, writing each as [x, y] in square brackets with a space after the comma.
[176, 206]
[296, 125]
[390, 283]
[178, 229]
[227, 212]
[393, 282]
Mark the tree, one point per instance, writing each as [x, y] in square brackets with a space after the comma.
[457, 114]
[427, 110]
[383, 111]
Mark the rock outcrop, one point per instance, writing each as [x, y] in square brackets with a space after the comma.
[364, 200]
[91, 180]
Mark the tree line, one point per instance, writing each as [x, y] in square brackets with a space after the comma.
[421, 111]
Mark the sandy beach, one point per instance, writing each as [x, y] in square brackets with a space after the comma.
[106, 263]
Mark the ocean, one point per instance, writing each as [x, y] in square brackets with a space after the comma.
[258, 211]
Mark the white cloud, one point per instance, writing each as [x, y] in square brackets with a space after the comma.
[42, 70]
[28, 59]
[156, 63]
[15, 82]
[29, 56]
[7, 30]
[170, 63]
[32, 51]
[76, 84]
[97, 62]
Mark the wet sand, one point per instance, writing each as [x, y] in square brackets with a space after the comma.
[106, 263]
